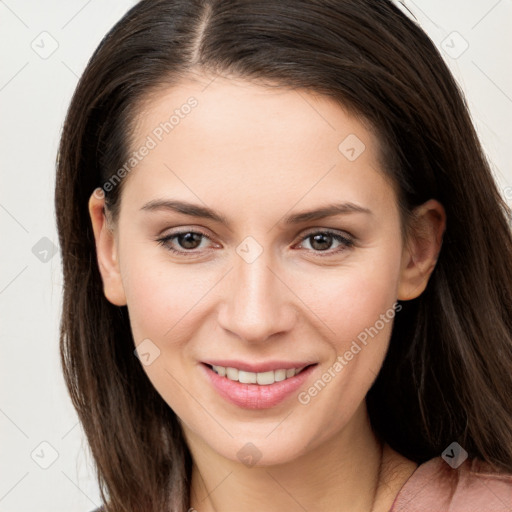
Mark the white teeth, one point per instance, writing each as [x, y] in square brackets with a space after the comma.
[232, 373]
[282, 374]
[246, 377]
[261, 378]
[265, 378]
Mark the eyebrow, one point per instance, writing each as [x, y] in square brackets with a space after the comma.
[204, 212]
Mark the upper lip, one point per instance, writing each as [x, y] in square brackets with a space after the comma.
[266, 366]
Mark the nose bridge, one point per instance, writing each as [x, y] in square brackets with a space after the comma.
[257, 303]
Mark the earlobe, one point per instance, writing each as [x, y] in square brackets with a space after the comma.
[421, 250]
[106, 251]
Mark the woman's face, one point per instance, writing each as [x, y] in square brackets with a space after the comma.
[253, 282]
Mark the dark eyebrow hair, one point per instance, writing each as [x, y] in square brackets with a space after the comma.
[325, 211]
[296, 218]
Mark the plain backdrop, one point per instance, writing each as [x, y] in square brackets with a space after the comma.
[45, 465]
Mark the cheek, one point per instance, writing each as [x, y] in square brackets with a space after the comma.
[357, 304]
[162, 297]
[166, 305]
[352, 297]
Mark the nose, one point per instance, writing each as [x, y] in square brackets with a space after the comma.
[258, 302]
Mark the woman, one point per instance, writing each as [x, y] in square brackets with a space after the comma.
[287, 280]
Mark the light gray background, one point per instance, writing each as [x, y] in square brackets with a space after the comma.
[44, 48]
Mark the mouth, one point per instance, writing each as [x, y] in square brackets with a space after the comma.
[256, 390]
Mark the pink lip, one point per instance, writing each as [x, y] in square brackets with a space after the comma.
[255, 396]
[259, 367]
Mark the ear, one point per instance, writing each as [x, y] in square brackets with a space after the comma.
[421, 249]
[106, 250]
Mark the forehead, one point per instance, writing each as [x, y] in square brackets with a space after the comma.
[235, 140]
[235, 110]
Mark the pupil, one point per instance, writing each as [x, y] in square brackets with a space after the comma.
[187, 240]
[318, 239]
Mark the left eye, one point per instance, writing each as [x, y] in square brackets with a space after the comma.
[320, 241]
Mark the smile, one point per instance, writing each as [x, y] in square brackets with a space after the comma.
[261, 378]
[257, 390]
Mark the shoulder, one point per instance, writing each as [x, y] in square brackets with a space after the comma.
[473, 486]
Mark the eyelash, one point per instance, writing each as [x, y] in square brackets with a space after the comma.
[347, 242]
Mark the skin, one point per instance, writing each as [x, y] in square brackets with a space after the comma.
[255, 154]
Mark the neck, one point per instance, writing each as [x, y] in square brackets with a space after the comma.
[344, 474]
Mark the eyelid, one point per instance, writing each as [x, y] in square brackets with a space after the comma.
[177, 230]
[330, 231]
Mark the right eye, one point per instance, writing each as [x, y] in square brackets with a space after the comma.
[188, 240]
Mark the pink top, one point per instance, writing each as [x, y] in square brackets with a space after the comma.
[472, 487]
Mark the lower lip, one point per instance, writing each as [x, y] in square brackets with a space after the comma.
[255, 396]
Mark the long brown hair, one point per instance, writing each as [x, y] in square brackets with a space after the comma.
[448, 372]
